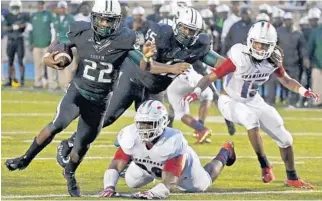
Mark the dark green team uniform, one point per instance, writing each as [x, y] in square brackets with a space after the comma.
[135, 84]
[15, 38]
[88, 93]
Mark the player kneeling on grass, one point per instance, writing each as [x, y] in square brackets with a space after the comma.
[245, 69]
[158, 151]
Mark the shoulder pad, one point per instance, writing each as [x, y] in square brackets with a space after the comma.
[78, 26]
[127, 137]
[237, 54]
[204, 39]
[172, 143]
[127, 38]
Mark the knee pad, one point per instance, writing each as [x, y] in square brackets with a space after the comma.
[285, 138]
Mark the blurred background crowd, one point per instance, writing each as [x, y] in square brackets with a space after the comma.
[28, 27]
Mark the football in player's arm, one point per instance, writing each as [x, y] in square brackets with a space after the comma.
[143, 60]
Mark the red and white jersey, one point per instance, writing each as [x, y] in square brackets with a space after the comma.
[170, 145]
[243, 83]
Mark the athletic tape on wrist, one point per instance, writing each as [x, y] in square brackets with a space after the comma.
[302, 91]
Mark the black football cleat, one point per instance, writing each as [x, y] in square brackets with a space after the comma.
[63, 151]
[232, 154]
[18, 163]
[231, 127]
[73, 188]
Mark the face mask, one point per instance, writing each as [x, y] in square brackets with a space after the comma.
[15, 11]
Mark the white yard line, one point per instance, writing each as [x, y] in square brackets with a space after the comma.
[131, 113]
[29, 102]
[201, 157]
[184, 132]
[179, 194]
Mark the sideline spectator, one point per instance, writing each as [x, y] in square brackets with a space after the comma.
[84, 13]
[61, 25]
[15, 24]
[295, 50]
[39, 40]
[232, 19]
[156, 5]
[315, 52]
[238, 32]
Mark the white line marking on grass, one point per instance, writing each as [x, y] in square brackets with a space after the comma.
[6, 137]
[201, 157]
[210, 119]
[179, 194]
[188, 133]
[29, 102]
[58, 141]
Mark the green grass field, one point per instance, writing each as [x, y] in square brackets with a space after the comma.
[24, 113]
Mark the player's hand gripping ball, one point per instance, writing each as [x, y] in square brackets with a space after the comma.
[64, 55]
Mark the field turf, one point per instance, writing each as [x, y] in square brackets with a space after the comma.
[24, 113]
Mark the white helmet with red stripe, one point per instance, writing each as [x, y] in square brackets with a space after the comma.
[151, 119]
[264, 33]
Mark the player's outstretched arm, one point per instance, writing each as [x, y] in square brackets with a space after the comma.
[223, 69]
[294, 85]
[213, 59]
[111, 175]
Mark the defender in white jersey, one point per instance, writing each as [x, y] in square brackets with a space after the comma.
[157, 151]
[246, 68]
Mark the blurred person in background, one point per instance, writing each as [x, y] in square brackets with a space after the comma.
[4, 57]
[75, 6]
[314, 15]
[272, 84]
[126, 19]
[231, 19]
[267, 9]
[315, 54]
[238, 32]
[294, 46]
[61, 23]
[84, 13]
[262, 17]
[15, 24]
[212, 6]
[140, 24]
[222, 11]
[39, 40]
[277, 17]
[165, 14]
[305, 27]
[155, 16]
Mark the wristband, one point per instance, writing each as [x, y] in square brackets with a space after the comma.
[111, 176]
[302, 91]
[197, 91]
[147, 60]
[160, 191]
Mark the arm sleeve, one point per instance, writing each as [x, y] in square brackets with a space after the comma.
[224, 69]
[121, 155]
[279, 72]
[174, 165]
[211, 58]
[136, 56]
